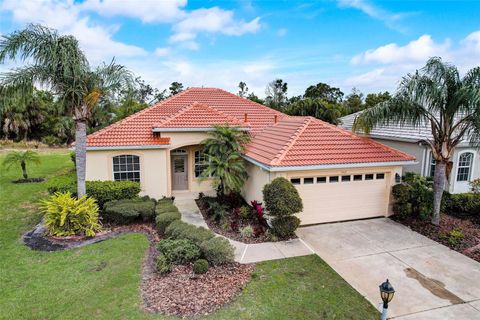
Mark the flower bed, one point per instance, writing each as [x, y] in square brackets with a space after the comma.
[239, 221]
[462, 235]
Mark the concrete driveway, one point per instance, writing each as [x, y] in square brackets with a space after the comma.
[431, 281]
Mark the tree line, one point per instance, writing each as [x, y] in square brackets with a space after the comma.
[321, 100]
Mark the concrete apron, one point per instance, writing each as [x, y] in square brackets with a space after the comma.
[246, 253]
[431, 281]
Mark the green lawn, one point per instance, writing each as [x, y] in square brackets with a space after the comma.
[101, 281]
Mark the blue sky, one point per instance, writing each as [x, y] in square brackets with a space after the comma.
[365, 44]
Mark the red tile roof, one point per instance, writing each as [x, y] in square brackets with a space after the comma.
[199, 115]
[277, 139]
[306, 141]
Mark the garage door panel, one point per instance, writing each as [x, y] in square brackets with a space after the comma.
[327, 202]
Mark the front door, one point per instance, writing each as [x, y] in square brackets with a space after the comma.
[179, 172]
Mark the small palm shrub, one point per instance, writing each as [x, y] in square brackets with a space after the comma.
[66, 216]
[21, 159]
[217, 251]
[162, 264]
[200, 266]
[180, 251]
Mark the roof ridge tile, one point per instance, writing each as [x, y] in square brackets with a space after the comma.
[291, 142]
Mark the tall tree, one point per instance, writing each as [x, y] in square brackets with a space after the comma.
[324, 91]
[253, 97]
[243, 89]
[437, 96]
[276, 93]
[372, 99]
[318, 108]
[175, 87]
[56, 62]
[354, 101]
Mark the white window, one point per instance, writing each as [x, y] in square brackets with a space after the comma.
[464, 166]
[432, 165]
[200, 163]
[126, 167]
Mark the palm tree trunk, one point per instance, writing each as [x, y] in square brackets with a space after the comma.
[81, 155]
[24, 169]
[438, 187]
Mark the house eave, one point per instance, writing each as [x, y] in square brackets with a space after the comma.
[208, 129]
[328, 166]
[146, 147]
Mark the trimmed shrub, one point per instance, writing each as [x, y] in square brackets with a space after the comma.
[463, 204]
[180, 251]
[282, 198]
[284, 227]
[413, 197]
[66, 216]
[165, 219]
[127, 210]
[200, 266]
[102, 191]
[165, 205]
[217, 251]
[181, 230]
[162, 264]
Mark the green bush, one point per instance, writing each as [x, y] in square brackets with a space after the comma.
[180, 251]
[281, 198]
[455, 236]
[165, 205]
[102, 191]
[165, 219]
[463, 204]
[217, 211]
[181, 230]
[284, 227]
[51, 141]
[245, 212]
[217, 251]
[246, 232]
[162, 264]
[414, 197]
[65, 215]
[127, 210]
[200, 266]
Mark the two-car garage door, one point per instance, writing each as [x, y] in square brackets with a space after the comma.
[330, 198]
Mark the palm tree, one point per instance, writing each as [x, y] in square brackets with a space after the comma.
[438, 97]
[224, 161]
[21, 158]
[56, 62]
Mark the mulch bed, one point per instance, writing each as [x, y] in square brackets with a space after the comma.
[180, 293]
[229, 232]
[469, 245]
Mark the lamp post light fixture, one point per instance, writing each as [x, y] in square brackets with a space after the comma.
[386, 293]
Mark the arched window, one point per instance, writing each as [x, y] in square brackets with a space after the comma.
[126, 167]
[464, 166]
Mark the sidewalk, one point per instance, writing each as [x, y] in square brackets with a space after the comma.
[247, 253]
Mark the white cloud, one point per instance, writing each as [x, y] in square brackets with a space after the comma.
[162, 52]
[418, 50]
[148, 11]
[392, 61]
[212, 20]
[96, 40]
[392, 20]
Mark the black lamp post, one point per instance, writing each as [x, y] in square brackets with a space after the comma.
[386, 293]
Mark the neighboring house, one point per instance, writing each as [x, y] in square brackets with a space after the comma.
[408, 138]
[340, 176]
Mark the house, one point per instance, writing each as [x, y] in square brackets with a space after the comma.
[408, 138]
[339, 175]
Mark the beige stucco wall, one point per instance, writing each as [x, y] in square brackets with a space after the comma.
[257, 178]
[153, 173]
[414, 149]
